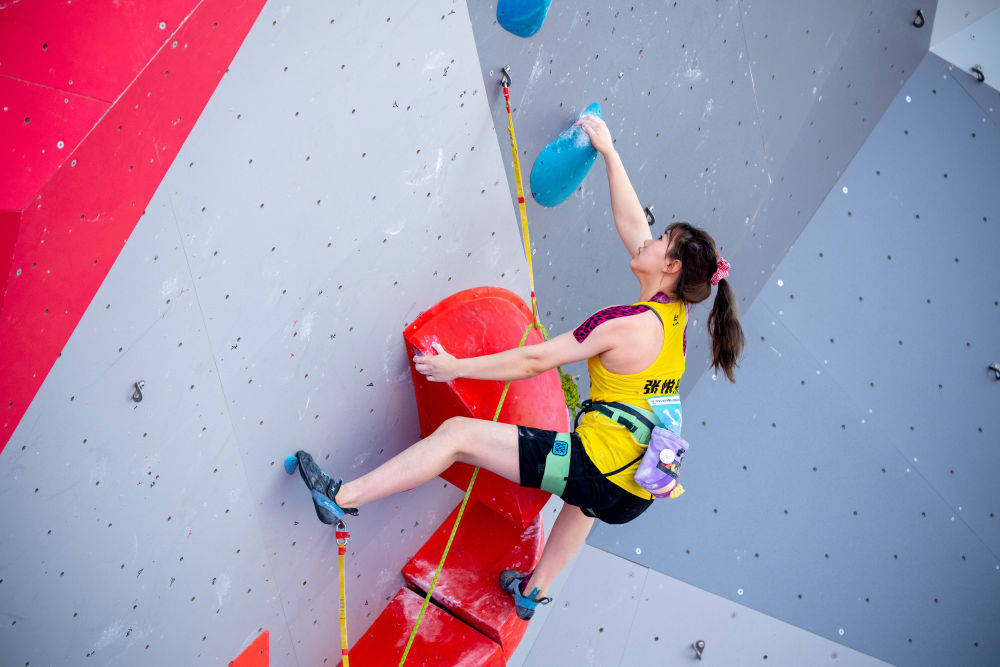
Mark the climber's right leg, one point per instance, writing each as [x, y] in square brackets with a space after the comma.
[478, 442]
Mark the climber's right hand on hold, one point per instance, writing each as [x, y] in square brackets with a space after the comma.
[440, 367]
[597, 130]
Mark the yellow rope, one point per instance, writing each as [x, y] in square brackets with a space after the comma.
[520, 204]
[571, 392]
[342, 534]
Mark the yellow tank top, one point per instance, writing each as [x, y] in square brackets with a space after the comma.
[609, 444]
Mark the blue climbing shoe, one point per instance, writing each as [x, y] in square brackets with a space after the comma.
[322, 486]
[513, 582]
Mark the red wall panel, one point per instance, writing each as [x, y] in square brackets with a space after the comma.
[89, 48]
[41, 127]
[74, 227]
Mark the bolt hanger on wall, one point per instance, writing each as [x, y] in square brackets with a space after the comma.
[137, 391]
[978, 71]
[919, 21]
[995, 367]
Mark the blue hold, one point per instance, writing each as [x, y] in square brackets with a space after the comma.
[563, 164]
[291, 462]
[522, 17]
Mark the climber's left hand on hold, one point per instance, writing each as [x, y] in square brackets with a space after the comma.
[440, 367]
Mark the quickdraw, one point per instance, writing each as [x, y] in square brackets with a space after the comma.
[342, 537]
[505, 82]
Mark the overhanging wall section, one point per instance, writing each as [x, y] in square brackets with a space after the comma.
[844, 484]
[736, 116]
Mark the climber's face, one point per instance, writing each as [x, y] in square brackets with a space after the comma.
[653, 257]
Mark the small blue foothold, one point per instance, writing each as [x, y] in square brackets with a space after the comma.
[522, 17]
[563, 164]
[291, 463]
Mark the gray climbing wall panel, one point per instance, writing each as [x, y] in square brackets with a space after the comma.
[844, 484]
[737, 116]
[348, 173]
[621, 613]
[344, 176]
[881, 53]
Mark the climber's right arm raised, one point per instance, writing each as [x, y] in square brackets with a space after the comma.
[630, 218]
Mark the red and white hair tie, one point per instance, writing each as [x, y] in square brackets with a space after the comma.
[722, 271]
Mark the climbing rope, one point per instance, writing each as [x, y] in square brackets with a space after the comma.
[570, 390]
[505, 82]
[342, 536]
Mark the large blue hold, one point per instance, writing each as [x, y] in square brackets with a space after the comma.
[522, 17]
[563, 164]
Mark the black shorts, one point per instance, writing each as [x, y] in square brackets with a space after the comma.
[594, 494]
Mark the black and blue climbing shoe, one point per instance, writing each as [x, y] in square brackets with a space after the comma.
[513, 582]
[322, 486]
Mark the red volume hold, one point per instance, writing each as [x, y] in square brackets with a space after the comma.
[478, 321]
[468, 586]
[441, 639]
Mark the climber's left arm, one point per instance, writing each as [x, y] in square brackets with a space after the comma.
[518, 363]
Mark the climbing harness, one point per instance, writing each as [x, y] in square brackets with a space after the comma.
[638, 421]
[641, 424]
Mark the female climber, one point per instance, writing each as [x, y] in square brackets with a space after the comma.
[632, 352]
